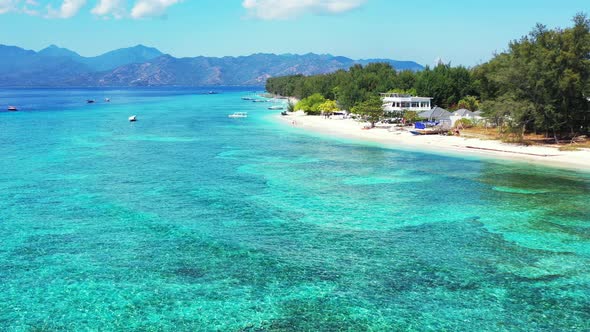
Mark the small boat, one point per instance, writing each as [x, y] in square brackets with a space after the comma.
[276, 108]
[284, 113]
[107, 100]
[247, 98]
[90, 101]
[428, 128]
[12, 108]
[428, 131]
[259, 100]
[212, 92]
[133, 118]
[238, 115]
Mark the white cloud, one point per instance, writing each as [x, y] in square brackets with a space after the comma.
[102, 8]
[147, 8]
[285, 9]
[18, 6]
[116, 8]
[68, 8]
[29, 11]
[8, 6]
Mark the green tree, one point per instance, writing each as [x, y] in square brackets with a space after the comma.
[510, 115]
[410, 91]
[469, 102]
[328, 106]
[411, 116]
[290, 106]
[549, 71]
[405, 80]
[445, 84]
[371, 110]
[311, 104]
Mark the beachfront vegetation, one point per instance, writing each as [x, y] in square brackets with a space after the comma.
[540, 84]
[410, 116]
[290, 106]
[329, 106]
[311, 104]
[370, 110]
[464, 123]
[469, 102]
[445, 84]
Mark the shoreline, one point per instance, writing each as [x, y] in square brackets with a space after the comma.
[443, 145]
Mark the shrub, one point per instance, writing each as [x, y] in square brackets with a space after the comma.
[464, 123]
[411, 116]
[311, 104]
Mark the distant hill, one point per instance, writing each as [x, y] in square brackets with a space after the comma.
[123, 56]
[56, 51]
[146, 66]
[107, 61]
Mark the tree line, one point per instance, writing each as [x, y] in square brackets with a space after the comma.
[540, 83]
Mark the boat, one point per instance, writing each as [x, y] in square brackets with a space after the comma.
[12, 108]
[133, 118]
[284, 113]
[276, 108]
[90, 101]
[212, 92]
[428, 128]
[247, 98]
[238, 115]
[107, 100]
[259, 100]
[427, 132]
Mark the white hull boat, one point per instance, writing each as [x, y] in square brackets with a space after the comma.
[237, 115]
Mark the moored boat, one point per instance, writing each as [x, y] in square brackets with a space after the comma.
[238, 115]
[427, 131]
[90, 101]
[12, 108]
[428, 128]
[276, 108]
[133, 118]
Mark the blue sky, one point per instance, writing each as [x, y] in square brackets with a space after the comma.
[462, 32]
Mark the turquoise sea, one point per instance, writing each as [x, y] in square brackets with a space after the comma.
[190, 221]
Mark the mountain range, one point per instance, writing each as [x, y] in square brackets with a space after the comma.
[146, 66]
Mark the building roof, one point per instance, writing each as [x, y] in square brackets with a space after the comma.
[436, 113]
[463, 112]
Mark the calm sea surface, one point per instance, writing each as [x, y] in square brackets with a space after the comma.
[188, 221]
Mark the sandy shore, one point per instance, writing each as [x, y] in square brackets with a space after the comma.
[351, 129]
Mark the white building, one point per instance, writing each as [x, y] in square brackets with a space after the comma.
[395, 102]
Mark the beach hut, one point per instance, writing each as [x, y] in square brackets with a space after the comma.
[438, 114]
[464, 113]
[478, 115]
[435, 114]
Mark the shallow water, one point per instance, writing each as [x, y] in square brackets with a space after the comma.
[189, 220]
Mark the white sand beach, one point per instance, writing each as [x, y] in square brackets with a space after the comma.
[352, 129]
